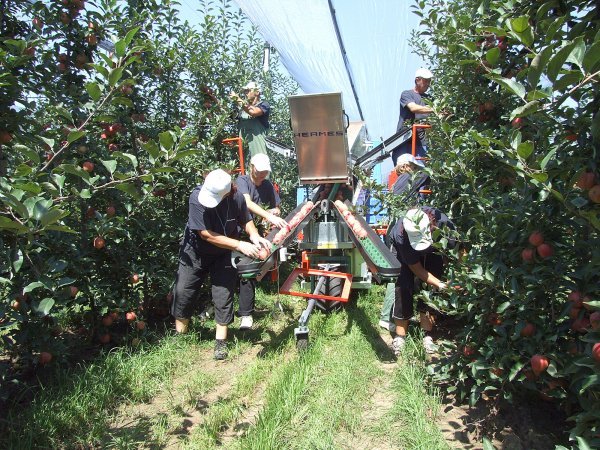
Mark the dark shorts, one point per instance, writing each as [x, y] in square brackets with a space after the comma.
[192, 272]
[406, 285]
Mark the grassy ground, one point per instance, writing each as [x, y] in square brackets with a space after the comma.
[346, 391]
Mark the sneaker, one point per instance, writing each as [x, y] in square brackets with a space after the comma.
[387, 325]
[220, 349]
[430, 347]
[246, 322]
[398, 344]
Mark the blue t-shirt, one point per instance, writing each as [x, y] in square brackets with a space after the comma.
[405, 114]
[399, 238]
[225, 218]
[263, 119]
[264, 194]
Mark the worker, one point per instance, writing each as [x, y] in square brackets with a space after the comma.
[412, 238]
[216, 213]
[257, 191]
[412, 108]
[409, 182]
[253, 119]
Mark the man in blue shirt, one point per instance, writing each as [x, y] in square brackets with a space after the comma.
[216, 214]
[413, 108]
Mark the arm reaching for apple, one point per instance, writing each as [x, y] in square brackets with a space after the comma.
[259, 241]
[426, 276]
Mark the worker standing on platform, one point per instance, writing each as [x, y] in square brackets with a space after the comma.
[216, 214]
[253, 119]
[257, 191]
[413, 108]
[412, 238]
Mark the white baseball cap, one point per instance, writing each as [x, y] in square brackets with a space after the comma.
[216, 186]
[423, 73]
[261, 162]
[251, 85]
[417, 226]
[406, 158]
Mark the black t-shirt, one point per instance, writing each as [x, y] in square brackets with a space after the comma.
[261, 195]
[408, 184]
[399, 239]
[405, 114]
[225, 218]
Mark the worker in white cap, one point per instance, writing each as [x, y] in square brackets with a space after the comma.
[263, 201]
[253, 119]
[217, 212]
[413, 108]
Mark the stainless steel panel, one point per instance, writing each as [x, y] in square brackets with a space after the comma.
[320, 138]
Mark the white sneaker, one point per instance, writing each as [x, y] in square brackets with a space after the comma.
[430, 347]
[398, 344]
[246, 322]
[387, 325]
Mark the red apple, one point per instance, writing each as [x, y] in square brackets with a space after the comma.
[114, 315]
[99, 242]
[45, 358]
[126, 89]
[130, 316]
[468, 351]
[539, 364]
[107, 321]
[576, 297]
[135, 278]
[545, 250]
[580, 325]
[182, 123]
[73, 290]
[88, 166]
[517, 122]
[38, 23]
[596, 351]
[112, 147]
[5, 137]
[528, 330]
[140, 325]
[110, 211]
[527, 254]
[594, 194]
[586, 180]
[91, 39]
[263, 254]
[574, 312]
[65, 18]
[104, 338]
[536, 238]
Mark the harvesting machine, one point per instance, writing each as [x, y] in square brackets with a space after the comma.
[340, 251]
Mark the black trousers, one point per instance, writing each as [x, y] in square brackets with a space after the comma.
[405, 286]
[192, 272]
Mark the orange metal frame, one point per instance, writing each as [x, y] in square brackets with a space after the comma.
[345, 295]
[231, 142]
[414, 139]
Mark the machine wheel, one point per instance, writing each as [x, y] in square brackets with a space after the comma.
[332, 287]
[302, 342]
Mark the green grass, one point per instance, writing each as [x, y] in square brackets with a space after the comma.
[320, 398]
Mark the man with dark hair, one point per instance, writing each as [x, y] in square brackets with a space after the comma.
[413, 108]
[216, 214]
[253, 119]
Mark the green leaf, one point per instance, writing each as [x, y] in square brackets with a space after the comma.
[152, 148]
[59, 180]
[30, 154]
[540, 176]
[61, 228]
[589, 381]
[44, 307]
[130, 189]
[525, 149]
[592, 57]
[519, 24]
[166, 140]
[127, 156]
[548, 157]
[114, 76]
[525, 110]
[52, 216]
[583, 444]
[61, 110]
[121, 46]
[487, 444]
[514, 86]
[33, 286]
[503, 307]
[123, 101]
[164, 170]
[492, 55]
[85, 193]
[100, 68]
[17, 261]
[9, 224]
[93, 90]
[557, 61]
[74, 135]
[64, 281]
[111, 165]
[537, 66]
[181, 155]
[577, 54]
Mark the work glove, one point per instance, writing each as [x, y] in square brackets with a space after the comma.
[247, 249]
